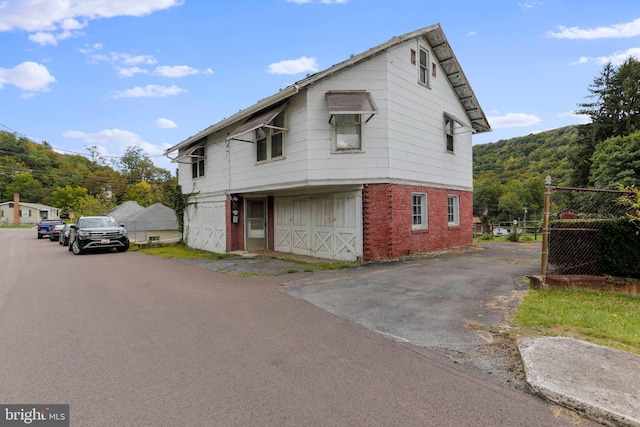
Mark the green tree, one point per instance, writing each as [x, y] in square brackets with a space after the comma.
[531, 194]
[486, 195]
[613, 111]
[90, 205]
[67, 196]
[632, 201]
[25, 184]
[616, 161]
[141, 193]
[510, 206]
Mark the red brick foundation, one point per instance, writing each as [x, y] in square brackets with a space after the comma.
[387, 221]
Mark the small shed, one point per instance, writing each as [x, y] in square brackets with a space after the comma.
[157, 223]
[568, 214]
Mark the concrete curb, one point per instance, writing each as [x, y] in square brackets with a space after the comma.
[599, 382]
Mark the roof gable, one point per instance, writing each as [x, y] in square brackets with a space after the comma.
[441, 49]
[156, 217]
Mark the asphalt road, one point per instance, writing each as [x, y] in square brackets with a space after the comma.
[127, 339]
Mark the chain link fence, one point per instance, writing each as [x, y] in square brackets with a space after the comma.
[575, 218]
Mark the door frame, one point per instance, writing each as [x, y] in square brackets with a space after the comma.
[248, 218]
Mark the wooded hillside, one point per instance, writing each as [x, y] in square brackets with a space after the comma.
[509, 174]
[86, 186]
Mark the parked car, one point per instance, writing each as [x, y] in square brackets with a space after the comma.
[45, 226]
[64, 235]
[55, 232]
[97, 232]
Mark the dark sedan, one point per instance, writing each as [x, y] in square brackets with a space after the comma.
[55, 232]
[64, 235]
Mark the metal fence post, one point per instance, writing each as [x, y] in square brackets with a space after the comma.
[548, 189]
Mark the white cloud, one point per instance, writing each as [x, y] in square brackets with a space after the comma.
[177, 71]
[116, 141]
[617, 58]
[174, 71]
[472, 33]
[166, 124]
[321, 1]
[294, 66]
[28, 76]
[529, 4]
[44, 39]
[149, 91]
[131, 71]
[629, 29]
[579, 118]
[87, 50]
[52, 16]
[513, 120]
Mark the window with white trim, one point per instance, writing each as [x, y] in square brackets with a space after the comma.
[419, 209]
[423, 71]
[270, 139]
[197, 162]
[347, 109]
[449, 129]
[347, 132]
[453, 209]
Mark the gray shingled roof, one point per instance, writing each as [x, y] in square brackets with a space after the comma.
[156, 217]
[125, 210]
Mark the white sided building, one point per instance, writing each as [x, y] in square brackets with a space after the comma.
[368, 159]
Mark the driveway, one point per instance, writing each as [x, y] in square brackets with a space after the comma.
[453, 305]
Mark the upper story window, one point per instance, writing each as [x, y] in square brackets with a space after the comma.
[197, 162]
[423, 74]
[449, 130]
[269, 129]
[347, 132]
[346, 111]
[419, 211]
[270, 139]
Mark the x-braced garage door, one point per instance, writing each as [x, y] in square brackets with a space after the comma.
[323, 225]
[205, 226]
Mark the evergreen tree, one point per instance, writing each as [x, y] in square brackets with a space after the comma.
[614, 111]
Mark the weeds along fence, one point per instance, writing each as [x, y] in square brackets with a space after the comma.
[579, 229]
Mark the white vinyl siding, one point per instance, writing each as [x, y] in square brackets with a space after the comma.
[403, 142]
[414, 122]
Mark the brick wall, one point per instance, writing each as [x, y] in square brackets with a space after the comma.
[387, 221]
[235, 232]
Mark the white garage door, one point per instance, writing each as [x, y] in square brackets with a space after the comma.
[323, 226]
[205, 227]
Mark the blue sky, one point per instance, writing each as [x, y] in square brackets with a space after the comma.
[151, 73]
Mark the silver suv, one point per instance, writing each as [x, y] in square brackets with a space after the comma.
[97, 232]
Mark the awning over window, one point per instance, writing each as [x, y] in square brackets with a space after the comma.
[351, 102]
[256, 122]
